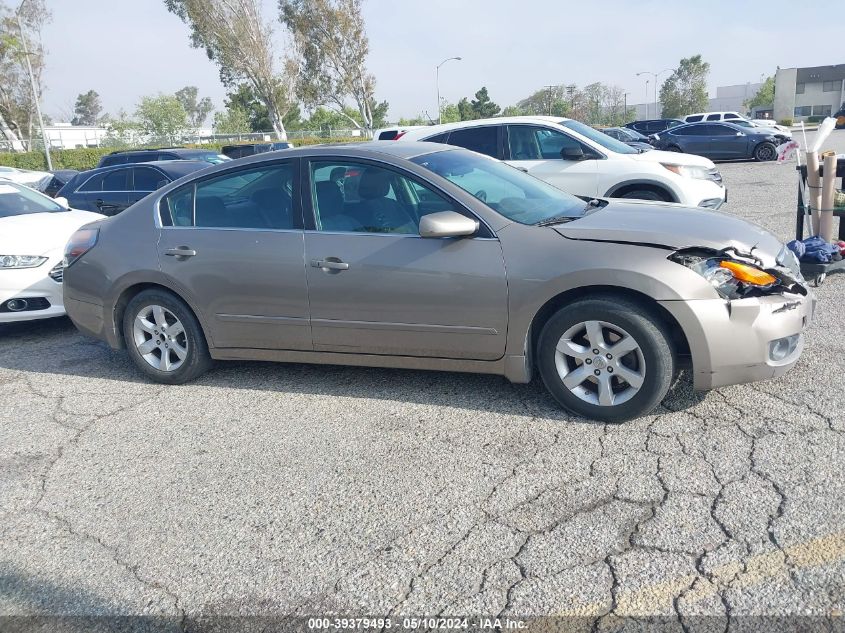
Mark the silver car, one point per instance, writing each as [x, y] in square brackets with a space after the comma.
[425, 256]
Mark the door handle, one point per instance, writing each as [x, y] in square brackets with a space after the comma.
[330, 263]
[525, 169]
[102, 206]
[180, 251]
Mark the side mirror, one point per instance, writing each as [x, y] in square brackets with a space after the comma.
[61, 200]
[740, 133]
[447, 224]
[572, 153]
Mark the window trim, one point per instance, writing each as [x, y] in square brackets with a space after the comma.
[146, 166]
[484, 230]
[296, 212]
[112, 168]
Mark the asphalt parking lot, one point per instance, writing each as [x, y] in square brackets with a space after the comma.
[269, 489]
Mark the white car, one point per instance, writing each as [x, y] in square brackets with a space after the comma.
[34, 179]
[732, 117]
[33, 232]
[582, 160]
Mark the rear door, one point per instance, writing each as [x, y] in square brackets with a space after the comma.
[724, 142]
[537, 150]
[106, 193]
[234, 244]
[145, 180]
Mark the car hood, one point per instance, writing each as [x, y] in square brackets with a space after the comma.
[672, 226]
[40, 233]
[673, 158]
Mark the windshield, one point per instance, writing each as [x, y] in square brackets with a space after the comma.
[598, 137]
[19, 200]
[505, 189]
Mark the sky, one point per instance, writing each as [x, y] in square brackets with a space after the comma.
[127, 49]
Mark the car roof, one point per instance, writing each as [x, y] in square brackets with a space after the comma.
[171, 167]
[500, 120]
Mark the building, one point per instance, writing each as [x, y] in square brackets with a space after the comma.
[801, 93]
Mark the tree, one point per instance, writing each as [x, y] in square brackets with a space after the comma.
[17, 106]
[765, 96]
[482, 107]
[163, 118]
[685, 90]
[465, 110]
[334, 54]
[236, 37]
[197, 111]
[87, 109]
[551, 100]
[450, 113]
[231, 121]
[120, 130]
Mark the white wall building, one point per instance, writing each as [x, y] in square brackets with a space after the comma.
[817, 91]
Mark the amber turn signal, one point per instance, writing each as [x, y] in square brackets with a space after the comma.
[748, 274]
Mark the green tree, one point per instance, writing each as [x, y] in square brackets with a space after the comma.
[334, 47]
[685, 90]
[121, 130]
[236, 37]
[87, 109]
[465, 110]
[197, 110]
[231, 121]
[482, 106]
[765, 96]
[163, 118]
[244, 99]
[450, 113]
[551, 100]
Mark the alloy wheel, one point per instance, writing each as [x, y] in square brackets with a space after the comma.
[600, 363]
[160, 338]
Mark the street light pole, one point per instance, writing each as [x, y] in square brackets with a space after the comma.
[655, 75]
[437, 74]
[35, 97]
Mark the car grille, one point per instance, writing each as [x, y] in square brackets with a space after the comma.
[57, 274]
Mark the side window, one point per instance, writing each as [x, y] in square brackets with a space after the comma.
[732, 115]
[108, 161]
[388, 135]
[95, 183]
[116, 180]
[259, 198]
[165, 157]
[720, 130]
[714, 117]
[540, 143]
[695, 118]
[148, 179]
[691, 130]
[484, 140]
[438, 138]
[361, 198]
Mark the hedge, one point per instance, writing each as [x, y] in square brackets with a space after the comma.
[87, 157]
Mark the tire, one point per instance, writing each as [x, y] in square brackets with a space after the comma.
[674, 148]
[170, 358]
[644, 194]
[765, 152]
[650, 365]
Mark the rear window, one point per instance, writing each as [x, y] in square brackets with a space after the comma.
[694, 118]
[388, 136]
[483, 139]
[108, 161]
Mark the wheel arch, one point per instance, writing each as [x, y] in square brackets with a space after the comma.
[627, 186]
[679, 339]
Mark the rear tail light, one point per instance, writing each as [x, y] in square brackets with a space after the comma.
[80, 243]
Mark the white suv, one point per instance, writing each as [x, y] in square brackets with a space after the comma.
[584, 161]
[730, 117]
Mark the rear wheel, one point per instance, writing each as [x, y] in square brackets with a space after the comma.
[606, 358]
[164, 338]
[765, 152]
[674, 148]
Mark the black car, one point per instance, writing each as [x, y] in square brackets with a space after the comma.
[630, 137]
[720, 141]
[60, 178]
[248, 149]
[653, 126]
[110, 190]
[162, 153]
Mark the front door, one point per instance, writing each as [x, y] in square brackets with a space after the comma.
[537, 150]
[377, 287]
[234, 245]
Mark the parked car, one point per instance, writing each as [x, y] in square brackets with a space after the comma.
[583, 161]
[33, 232]
[60, 178]
[437, 258]
[783, 133]
[720, 141]
[38, 180]
[163, 153]
[248, 149]
[652, 126]
[630, 137]
[728, 117]
[110, 190]
[840, 118]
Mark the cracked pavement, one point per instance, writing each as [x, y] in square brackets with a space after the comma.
[273, 490]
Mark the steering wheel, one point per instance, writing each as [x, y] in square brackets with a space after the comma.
[481, 195]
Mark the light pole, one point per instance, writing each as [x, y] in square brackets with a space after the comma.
[35, 97]
[647, 104]
[437, 73]
[655, 75]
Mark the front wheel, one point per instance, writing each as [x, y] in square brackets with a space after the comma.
[164, 338]
[674, 148]
[765, 152]
[607, 359]
[644, 194]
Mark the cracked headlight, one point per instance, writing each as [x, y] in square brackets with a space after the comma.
[21, 261]
[731, 278]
